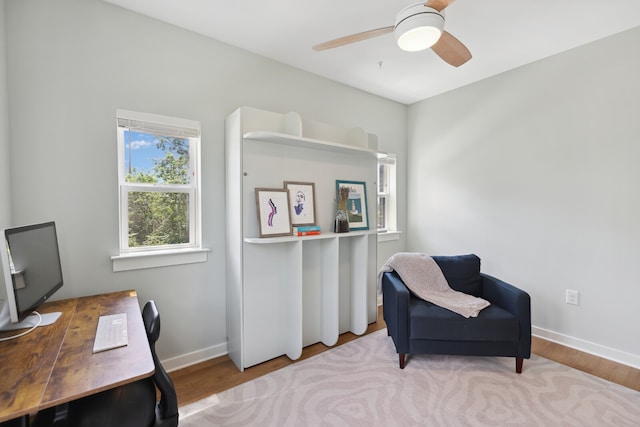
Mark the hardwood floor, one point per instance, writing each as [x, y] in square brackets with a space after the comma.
[213, 376]
[594, 365]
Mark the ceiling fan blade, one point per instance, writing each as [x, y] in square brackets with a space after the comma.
[438, 5]
[451, 50]
[353, 38]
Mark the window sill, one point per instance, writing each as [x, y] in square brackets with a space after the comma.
[152, 259]
[387, 236]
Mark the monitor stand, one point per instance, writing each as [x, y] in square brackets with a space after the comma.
[28, 323]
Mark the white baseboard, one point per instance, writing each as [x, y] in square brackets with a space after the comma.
[588, 347]
[612, 354]
[194, 357]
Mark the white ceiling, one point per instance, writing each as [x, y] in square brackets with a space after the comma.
[501, 35]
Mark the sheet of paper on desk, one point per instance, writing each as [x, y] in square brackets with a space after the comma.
[111, 332]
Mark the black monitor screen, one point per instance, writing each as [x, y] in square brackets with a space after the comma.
[34, 263]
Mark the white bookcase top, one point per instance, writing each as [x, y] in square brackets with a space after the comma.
[284, 139]
[292, 129]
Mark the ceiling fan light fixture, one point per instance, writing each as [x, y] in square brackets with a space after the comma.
[418, 27]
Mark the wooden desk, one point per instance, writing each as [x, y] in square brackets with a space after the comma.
[55, 364]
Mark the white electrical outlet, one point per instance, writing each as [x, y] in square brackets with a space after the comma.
[572, 297]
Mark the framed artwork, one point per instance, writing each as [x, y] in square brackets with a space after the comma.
[354, 193]
[302, 202]
[273, 212]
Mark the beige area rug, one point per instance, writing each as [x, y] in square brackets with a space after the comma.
[360, 384]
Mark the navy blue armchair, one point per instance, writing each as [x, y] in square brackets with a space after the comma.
[420, 327]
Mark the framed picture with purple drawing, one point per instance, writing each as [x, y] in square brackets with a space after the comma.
[302, 202]
[273, 212]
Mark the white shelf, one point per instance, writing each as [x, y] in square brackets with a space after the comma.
[316, 144]
[287, 292]
[290, 239]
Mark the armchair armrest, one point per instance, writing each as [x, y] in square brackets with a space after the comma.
[395, 309]
[514, 300]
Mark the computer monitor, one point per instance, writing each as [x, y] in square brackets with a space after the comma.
[32, 273]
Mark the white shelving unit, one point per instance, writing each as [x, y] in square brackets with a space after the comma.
[284, 293]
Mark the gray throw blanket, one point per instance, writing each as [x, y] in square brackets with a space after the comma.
[423, 277]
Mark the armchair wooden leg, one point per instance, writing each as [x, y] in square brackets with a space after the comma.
[401, 357]
[519, 361]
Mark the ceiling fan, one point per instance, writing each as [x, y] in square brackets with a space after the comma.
[417, 27]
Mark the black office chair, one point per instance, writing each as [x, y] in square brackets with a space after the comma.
[131, 405]
[16, 422]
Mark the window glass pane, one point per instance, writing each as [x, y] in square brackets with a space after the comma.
[158, 218]
[382, 213]
[150, 158]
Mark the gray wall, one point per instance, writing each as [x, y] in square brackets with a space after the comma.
[537, 171]
[71, 67]
[5, 193]
[534, 170]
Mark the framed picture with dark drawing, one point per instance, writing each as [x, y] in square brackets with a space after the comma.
[302, 202]
[356, 203]
[273, 212]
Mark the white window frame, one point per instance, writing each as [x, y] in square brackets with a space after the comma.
[390, 231]
[156, 256]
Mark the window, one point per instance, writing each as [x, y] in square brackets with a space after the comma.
[386, 193]
[159, 182]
